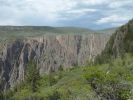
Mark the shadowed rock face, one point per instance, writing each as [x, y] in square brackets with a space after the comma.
[49, 52]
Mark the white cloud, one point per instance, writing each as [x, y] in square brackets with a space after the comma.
[76, 13]
[52, 12]
[120, 3]
[48, 10]
[95, 2]
[8, 22]
[113, 19]
[80, 11]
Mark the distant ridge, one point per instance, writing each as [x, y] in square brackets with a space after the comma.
[34, 31]
[45, 28]
[108, 31]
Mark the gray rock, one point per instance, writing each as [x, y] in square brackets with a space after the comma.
[50, 52]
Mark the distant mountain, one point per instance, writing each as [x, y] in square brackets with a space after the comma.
[7, 32]
[74, 30]
[108, 31]
[24, 31]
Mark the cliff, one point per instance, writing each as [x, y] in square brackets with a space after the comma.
[50, 52]
[120, 43]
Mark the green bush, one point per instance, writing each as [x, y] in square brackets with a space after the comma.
[54, 96]
[108, 80]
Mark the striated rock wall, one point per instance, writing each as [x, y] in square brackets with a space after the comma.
[50, 52]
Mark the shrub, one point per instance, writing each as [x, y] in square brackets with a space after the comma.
[54, 96]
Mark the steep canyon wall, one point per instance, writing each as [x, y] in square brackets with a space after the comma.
[49, 52]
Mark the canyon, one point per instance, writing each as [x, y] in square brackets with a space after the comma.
[50, 52]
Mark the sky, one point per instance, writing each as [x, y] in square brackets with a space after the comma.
[93, 14]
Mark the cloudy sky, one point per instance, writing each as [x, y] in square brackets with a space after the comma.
[94, 14]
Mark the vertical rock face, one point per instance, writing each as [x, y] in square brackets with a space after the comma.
[120, 42]
[49, 52]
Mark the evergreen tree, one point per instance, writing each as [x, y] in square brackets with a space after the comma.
[32, 76]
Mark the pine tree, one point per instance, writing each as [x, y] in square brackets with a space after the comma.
[32, 76]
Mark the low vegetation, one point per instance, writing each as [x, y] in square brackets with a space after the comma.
[111, 81]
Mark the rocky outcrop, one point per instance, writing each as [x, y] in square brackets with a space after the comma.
[120, 42]
[50, 52]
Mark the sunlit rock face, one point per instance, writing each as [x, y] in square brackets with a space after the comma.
[49, 53]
